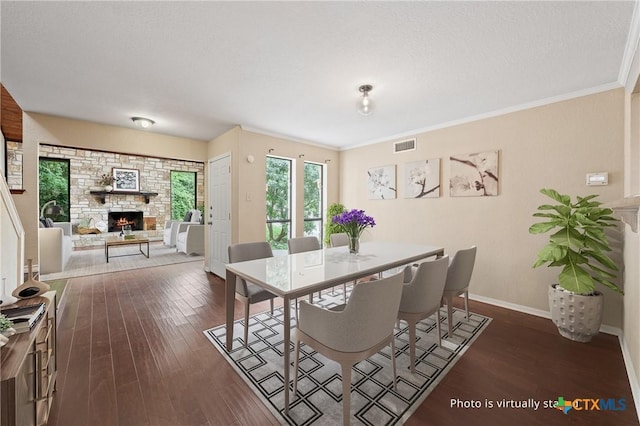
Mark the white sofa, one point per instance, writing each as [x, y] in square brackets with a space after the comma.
[55, 247]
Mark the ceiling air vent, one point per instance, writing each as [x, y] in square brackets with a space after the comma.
[408, 145]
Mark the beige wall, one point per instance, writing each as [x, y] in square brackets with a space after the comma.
[46, 129]
[84, 134]
[631, 317]
[249, 179]
[548, 146]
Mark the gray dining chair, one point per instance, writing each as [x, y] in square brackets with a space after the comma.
[247, 292]
[458, 278]
[422, 297]
[339, 239]
[300, 245]
[363, 327]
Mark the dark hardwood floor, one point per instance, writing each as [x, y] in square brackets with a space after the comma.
[131, 352]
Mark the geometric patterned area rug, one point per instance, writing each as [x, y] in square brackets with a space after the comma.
[373, 398]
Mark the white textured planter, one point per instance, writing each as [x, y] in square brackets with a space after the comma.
[577, 317]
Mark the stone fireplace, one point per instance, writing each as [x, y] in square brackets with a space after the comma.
[87, 209]
[118, 219]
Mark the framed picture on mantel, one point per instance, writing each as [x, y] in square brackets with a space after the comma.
[126, 180]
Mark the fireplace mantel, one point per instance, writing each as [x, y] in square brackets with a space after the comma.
[102, 195]
[627, 209]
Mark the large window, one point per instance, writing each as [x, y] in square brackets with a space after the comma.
[183, 193]
[278, 202]
[54, 186]
[313, 200]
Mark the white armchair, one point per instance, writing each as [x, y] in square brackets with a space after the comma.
[190, 239]
[55, 247]
[172, 227]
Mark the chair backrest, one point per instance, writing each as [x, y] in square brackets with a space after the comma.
[370, 314]
[460, 269]
[424, 292]
[248, 251]
[195, 216]
[302, 244]
[339, 239]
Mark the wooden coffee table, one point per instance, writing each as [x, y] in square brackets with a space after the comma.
[117, 241]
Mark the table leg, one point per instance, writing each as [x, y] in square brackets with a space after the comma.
[287, 351]
[140, 248]
[230, 293]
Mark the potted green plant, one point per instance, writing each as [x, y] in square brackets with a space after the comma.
[578, 245]
[330, 227]
[6, 329]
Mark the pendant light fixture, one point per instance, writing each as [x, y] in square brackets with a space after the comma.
[365, 105]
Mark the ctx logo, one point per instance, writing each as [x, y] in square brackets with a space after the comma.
[591, 404]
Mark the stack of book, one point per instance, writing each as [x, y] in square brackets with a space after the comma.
[24, 317]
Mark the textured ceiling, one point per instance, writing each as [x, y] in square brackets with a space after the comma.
[293, 68]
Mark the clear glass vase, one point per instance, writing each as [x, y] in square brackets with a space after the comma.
[354, 245]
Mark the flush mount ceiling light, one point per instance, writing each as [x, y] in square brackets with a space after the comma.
[365, 106]
[142, 122]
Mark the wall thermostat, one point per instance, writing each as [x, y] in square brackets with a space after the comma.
[600, 178]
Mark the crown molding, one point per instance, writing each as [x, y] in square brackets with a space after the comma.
[630, 66]
[286, 137]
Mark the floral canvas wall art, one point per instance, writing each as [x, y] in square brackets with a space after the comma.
[422, 179]
[381, 182]
[474, 175]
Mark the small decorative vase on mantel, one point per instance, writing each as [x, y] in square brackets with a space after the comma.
[108, 188]
[354, 245]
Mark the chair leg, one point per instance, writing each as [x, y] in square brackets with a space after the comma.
[449, 312]
[466, 304]
[246, 322]
[271, 304]
[412, 345]
[346, 394]
[438, 327]
[344, 288]
[393, 363]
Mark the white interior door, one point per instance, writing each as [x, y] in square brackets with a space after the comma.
[219, 216]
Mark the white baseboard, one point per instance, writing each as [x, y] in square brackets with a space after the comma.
[631, 374]
[512, 306]
[607, 329]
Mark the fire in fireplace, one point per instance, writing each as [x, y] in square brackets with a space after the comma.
[119, 219]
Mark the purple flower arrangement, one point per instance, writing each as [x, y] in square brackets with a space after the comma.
[353, 222]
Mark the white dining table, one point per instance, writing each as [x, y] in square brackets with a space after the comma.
[295, 275]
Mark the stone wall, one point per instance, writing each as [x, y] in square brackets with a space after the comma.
[14, 165]
[87, 166]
